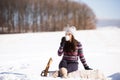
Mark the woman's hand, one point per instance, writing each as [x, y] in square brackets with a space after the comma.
[62, 42]
[87, 68]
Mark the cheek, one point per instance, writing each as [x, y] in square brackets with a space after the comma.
[70, 37]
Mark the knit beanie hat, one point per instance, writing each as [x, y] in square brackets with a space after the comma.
[70, 29]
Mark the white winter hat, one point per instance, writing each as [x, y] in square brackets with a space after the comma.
[70, 29]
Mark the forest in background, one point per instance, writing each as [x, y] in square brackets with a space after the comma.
[19, 16]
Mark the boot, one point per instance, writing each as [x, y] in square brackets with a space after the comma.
[55, 74]
[63, 72]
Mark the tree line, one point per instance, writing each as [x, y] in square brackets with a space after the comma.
[17, 16]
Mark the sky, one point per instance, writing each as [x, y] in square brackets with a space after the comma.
[104, 9]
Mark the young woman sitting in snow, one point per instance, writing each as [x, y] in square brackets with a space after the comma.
[71, 49]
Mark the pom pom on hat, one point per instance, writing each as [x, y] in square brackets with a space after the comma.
[70, 29]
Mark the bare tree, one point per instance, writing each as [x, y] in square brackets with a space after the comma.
[44, 15]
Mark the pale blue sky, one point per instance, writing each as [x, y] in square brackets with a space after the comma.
[104, 9]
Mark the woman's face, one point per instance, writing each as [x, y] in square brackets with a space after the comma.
[68, 36]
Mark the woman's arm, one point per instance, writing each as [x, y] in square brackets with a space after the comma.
[60, 50]
[81, 56]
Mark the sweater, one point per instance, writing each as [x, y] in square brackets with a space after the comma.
[73, 56]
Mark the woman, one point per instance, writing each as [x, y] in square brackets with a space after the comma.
[71, 49]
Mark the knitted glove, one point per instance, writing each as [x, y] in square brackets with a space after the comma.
[62, 42]
[87, 68]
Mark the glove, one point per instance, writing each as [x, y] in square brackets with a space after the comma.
[62, 42]
[87, 68]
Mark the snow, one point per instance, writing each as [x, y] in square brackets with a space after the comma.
[24, 56]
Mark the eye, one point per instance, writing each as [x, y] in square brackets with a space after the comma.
[68, 34]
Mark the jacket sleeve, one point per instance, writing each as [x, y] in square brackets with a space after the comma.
[60, 50]
[81, 55]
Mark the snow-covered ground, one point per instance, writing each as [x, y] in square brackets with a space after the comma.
[24, 56]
